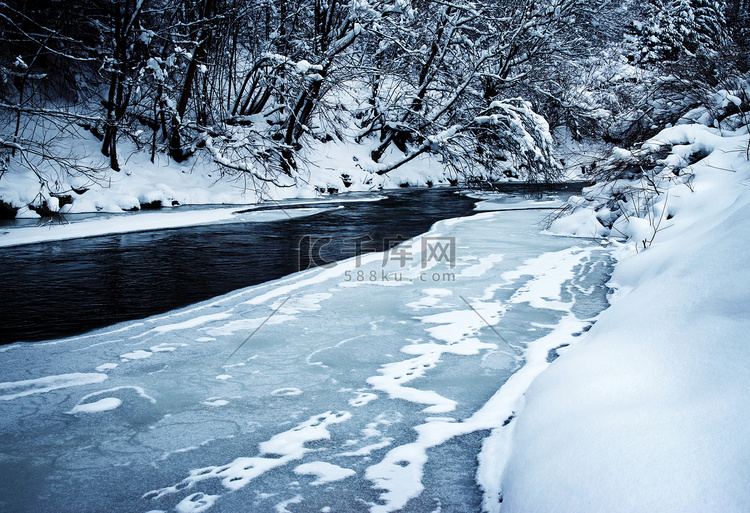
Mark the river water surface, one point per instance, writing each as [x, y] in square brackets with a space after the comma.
[385, 383]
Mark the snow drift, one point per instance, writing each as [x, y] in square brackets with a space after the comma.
[650, 411]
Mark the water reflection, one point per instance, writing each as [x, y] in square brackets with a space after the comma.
[62, 288]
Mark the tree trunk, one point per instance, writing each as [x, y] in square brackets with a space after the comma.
[175, 145]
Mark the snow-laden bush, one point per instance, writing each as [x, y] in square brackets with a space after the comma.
[639, 188]
[606, 100]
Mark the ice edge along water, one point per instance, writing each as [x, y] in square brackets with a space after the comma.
[111, 224]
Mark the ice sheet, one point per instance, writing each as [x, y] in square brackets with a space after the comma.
[352, 395]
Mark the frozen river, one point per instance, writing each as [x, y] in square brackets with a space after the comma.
[380, 383]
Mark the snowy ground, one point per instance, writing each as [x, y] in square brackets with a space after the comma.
[650, 411]
[330, 168]
[368, 386]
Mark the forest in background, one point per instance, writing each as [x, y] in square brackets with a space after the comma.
[256, 85]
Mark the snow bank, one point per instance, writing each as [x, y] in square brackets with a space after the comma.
[648, 189]
[128, 223]
[327, 167]
[650, 411]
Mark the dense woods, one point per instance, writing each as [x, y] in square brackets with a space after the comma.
[256, 85]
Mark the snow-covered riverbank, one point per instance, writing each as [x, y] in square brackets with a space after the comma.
[76, 226]
[199, 181]
[650, 411]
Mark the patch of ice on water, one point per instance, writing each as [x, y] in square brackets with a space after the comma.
[223, 377]
[289, 391]
[281, 506]
[165, 348]
[280, 449]
[456, 326]
[483, 265]
[140, 354]
[182, 450]
[394, 375]
[191, 323]
[106, 366]
[312, 277]
[291, 443]
[368, 449]
[326, 472]
[95, 335]
[248, 325]
[105, 404]
[469, 346]
[383, 419]
[310, 360]
[362, 398]
[549, 271]
[377, 281]
[15, 389]
[490, 291]
[439, 419]
[399, 474]
[298, 304]
[196, 503]
[432, 298]
[217, 402]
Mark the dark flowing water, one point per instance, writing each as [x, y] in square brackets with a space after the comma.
[57, 289]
